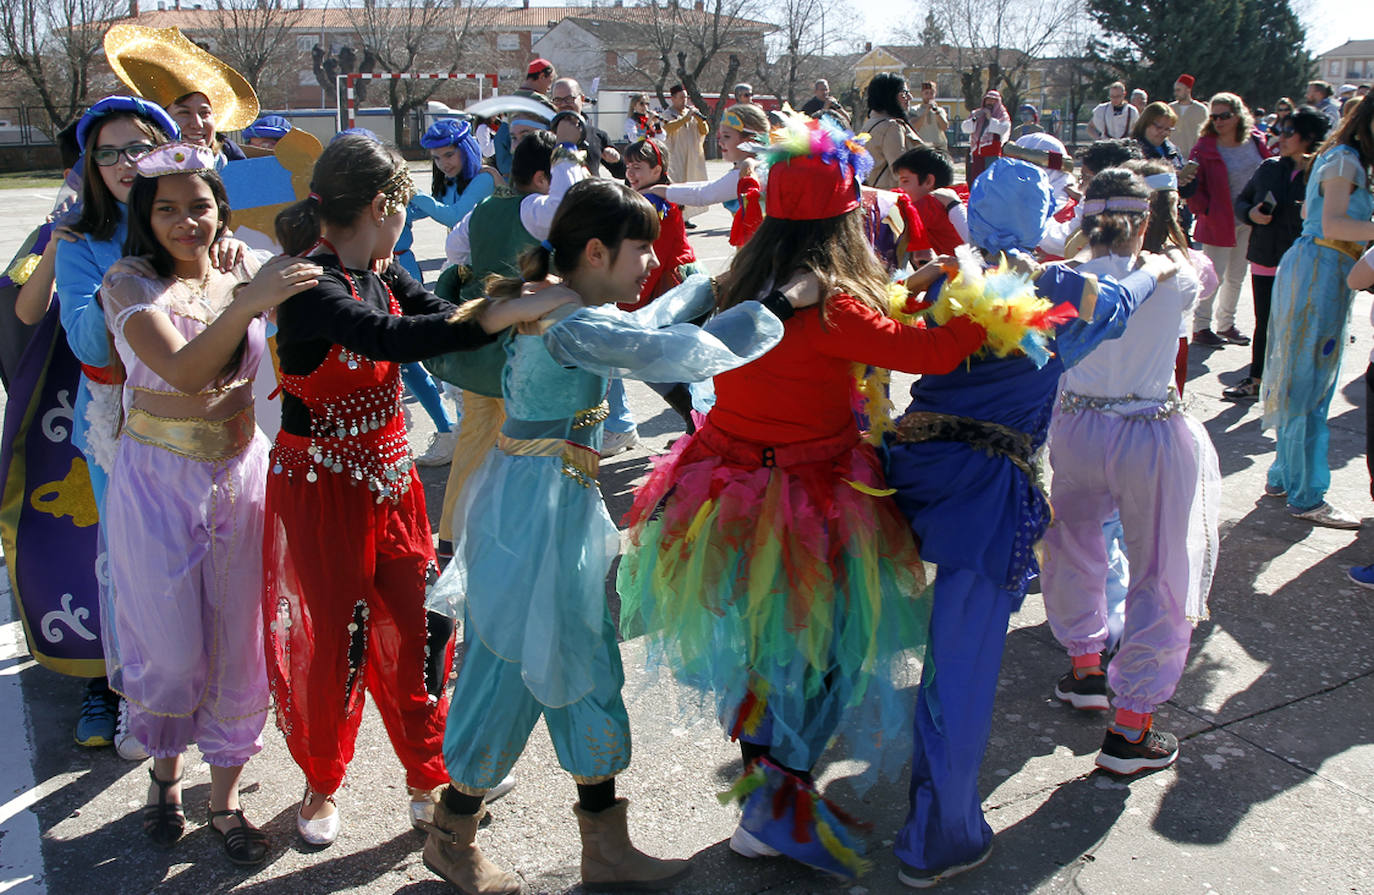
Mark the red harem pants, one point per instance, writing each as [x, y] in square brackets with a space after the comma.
[344, 606]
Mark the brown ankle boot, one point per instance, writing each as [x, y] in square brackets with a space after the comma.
[610, 861]
[451, 853]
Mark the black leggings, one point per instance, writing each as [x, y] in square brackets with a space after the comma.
[1263, 289]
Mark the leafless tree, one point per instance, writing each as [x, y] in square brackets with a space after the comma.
[418, 36]
[51, 45]
[995, 42]
[694, 47]
[257, 37]
[808, 33]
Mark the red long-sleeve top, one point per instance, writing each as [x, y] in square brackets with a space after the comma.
[672, 251]
[940, 235]
[801, 390]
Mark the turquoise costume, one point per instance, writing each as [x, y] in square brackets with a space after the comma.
[529, 570]
[1306, 333]
[448, 209]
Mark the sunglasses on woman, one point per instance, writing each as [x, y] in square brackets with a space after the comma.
[1223, 116]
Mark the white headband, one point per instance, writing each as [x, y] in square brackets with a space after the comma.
[1115, 203]
[1166, 180]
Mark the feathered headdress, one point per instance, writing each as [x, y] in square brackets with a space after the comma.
[815, 167]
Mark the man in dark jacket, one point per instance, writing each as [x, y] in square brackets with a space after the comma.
[1271, 203]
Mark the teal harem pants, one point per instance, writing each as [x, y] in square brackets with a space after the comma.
[492, 714]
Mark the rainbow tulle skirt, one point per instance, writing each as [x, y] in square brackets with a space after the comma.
[782, 581]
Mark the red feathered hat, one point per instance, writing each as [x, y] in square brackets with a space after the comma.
[814, 171]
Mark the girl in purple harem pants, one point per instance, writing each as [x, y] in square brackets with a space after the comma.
[185, 499]
[1120, 441]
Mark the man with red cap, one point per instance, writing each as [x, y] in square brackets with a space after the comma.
[539, 77]
[1191, 115]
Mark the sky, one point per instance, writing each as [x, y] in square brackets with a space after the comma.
[1329, 23]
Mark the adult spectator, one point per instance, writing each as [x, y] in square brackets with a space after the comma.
[1153, 131]
[1344, 95]
[820, 99]
[1319, 96]
[684, 131]
[1115, 118]
[1190, 115]
[1272, 204]
[1228, 153]
[1282, 109]
[744, 93]
[641, 123]
[1140, 99]
[890, 134]
[987, 127]
[930, 119]
[539, 76]
[567, 97]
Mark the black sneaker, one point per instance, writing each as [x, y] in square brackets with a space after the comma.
[1088, 692]
[1156, 749]
[925, 879]
[1208, 339]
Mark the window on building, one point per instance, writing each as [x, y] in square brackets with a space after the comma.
[1334, 68]
[306, 44]
[508, 40]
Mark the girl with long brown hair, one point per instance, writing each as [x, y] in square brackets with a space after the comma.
[756, 542]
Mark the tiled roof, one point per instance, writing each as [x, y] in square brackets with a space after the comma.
[1351, 48]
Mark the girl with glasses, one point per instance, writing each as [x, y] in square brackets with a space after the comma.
[1228, 152]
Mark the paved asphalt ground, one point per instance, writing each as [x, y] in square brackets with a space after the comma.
[1273, 792]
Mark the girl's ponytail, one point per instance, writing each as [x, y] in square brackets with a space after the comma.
[536, 263]
[298, 226]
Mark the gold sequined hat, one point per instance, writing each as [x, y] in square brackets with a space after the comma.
[162, 65]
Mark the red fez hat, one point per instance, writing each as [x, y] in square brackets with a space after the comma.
[538, 65]
[815, 168]
[1186, 81]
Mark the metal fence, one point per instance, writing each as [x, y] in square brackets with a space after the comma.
[20, 126]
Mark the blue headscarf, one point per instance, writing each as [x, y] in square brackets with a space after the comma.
[270, 127]
[1008, 206]
[356, 132]
[458, 133]
[111, 105]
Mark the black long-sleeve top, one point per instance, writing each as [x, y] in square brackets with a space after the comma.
[1288, 183]
[313, 322]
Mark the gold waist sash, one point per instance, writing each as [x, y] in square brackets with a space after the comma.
[1345, 247]
[197, 439]
[580, 462]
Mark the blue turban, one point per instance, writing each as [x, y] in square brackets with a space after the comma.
[356, 132]
[270, 127]
[1008, 206]
[112, 105]
[457, 133]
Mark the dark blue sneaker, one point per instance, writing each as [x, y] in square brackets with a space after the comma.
[99, 713]
[1362, 575]
[925, 879]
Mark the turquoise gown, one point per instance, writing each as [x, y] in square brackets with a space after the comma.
[1306, 333]
[529, 571]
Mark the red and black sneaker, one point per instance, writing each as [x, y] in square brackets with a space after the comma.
[1155, 749]
[1088, 692]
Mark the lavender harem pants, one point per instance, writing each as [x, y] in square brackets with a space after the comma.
[1146, 469]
